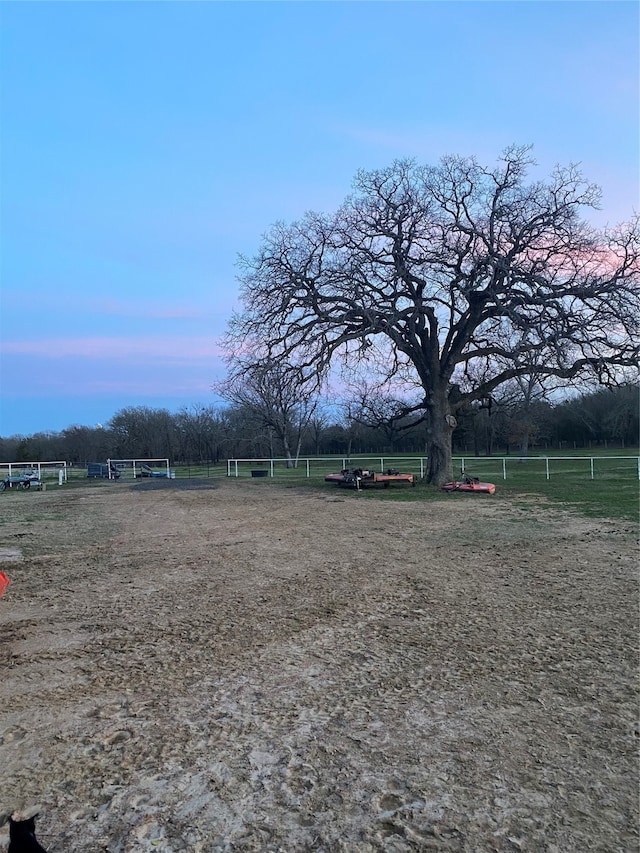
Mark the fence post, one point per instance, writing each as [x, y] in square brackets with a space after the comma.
[591, 461]
[504, 468]
[546, 461]
[271, 467]
[308, 475]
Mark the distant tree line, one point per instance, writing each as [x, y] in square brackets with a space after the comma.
[257, 427]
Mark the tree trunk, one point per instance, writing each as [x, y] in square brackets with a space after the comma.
[287, 451]
[440, 432]
[490, 436]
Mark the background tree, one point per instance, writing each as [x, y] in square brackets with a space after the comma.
[276, 396]
[82, 444]
[143, 433]
[439, 275]
[600, 416]
[378, 410]
[200, 431]
[622, 420]
[317, 425]
[244, 433]
[521, 399]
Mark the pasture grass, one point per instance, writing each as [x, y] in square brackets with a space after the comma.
[614, 491]
[603, 498]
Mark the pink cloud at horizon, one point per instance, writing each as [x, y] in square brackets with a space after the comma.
[176, 347]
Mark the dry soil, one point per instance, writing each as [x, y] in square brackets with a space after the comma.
[246, 667]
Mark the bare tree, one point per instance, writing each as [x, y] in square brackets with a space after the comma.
[142, 432]
[276, 395]
[85, 444]
[200, 433]
[518, 398]
[378, 409]
[602, 415]
[430, 272]
[318, 423]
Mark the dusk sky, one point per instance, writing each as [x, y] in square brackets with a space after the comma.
[143, 146]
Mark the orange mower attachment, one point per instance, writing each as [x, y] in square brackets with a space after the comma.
[470, 484]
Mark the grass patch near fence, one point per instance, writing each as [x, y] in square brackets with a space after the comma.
[614, 491]
[599, 499]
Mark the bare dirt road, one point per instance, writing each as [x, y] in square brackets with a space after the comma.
[246, 667]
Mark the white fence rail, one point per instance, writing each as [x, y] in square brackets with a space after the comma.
[548, 461]
[42, 468]
[267, 467]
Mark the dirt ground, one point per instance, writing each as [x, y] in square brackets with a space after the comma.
[244, 667]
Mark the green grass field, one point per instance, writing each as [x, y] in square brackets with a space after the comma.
[613, 492]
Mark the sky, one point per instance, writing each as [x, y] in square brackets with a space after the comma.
[144, 146]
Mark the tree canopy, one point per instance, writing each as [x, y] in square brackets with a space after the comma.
[451, 279]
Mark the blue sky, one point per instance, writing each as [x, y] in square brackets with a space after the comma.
[143, 146]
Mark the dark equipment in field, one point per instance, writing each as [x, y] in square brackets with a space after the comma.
[359, 478]
[101, 470]
[21, 481]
